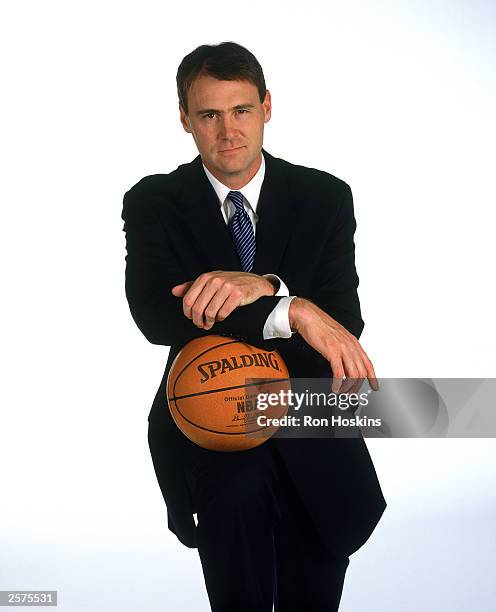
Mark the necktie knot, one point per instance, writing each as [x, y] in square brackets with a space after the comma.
[236, 198]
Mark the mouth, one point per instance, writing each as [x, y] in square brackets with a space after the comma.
[231, 151]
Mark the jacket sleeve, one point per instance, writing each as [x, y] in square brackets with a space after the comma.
[334, 288]
[152, 270]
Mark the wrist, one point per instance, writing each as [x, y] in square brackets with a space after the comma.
[272, 285]
[296, 313]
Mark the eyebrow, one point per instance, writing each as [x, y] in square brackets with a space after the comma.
[205, 111]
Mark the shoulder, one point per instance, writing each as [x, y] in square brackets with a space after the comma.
[313, 183]
[156, 184]
[310, 179]
[153, 187]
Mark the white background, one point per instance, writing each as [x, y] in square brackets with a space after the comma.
[397, 98]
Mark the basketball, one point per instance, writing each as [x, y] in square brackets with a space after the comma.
[212, 391]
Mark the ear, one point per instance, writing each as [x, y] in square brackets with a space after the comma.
[184, 119]
[267, 104]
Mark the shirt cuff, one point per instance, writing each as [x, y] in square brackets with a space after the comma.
[277, 323]
[283, 290]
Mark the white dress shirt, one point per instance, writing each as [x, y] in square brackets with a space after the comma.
[277, 323]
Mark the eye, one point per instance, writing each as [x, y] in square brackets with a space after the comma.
[209, 115]
[242, 110]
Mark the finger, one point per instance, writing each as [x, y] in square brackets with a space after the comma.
[351, 371]
[372, 378]
[356, 370]
[348, 383]
[190, 297]
[230, 304]
[180, 290]
[358, 385]
[213, 307]
[337, 373]
[201, 303]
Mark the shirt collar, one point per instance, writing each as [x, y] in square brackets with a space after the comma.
[251, 191]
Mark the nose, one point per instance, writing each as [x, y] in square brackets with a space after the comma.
[227, 129]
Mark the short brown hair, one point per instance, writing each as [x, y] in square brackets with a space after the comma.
[226, 61]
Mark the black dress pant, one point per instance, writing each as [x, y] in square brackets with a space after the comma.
[257, 544]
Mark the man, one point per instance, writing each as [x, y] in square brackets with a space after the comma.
[246, 245]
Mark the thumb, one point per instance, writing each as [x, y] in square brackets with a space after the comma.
[180, 290]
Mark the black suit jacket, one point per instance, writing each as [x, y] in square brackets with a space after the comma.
[175, 231]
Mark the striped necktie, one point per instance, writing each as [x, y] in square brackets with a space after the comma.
[242, 232]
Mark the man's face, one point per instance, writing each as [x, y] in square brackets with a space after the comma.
[226, 119]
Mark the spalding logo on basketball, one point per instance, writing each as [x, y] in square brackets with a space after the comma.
[212, 391]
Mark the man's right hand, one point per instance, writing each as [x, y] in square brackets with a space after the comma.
[335, 343]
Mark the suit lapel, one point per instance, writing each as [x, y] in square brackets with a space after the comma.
[275, 209]
[276, 212]
[203, 216]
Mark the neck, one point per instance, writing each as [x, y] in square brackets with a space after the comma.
[238, 180]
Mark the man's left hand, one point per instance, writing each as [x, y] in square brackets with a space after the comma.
[214, 295]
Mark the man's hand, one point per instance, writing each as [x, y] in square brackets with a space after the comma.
[335, 343]
[214, 295]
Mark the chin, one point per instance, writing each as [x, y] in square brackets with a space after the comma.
[232, 165]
